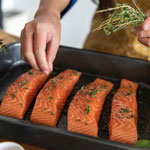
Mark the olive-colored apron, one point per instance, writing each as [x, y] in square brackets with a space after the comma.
[123, 42]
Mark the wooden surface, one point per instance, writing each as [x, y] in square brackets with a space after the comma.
[7, 39]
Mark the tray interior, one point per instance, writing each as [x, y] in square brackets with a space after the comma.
[143, 99]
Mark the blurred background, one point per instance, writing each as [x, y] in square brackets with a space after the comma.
[75, 24]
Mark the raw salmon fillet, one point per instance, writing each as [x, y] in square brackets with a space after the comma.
[21, 93]
[123, 118]
[85, 109]
[52, 98]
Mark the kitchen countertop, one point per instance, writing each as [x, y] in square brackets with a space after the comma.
[7, 39]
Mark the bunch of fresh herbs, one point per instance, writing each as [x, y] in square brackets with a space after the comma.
[122, 16]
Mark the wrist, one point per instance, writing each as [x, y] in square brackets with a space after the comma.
[47, 12]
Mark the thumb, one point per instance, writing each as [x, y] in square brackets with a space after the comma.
[148, 13]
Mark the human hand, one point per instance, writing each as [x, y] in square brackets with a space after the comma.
[41, 33]
[144, 31]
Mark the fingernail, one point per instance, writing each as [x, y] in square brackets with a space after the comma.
[46, 72]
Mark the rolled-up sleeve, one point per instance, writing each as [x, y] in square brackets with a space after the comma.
[72, 2]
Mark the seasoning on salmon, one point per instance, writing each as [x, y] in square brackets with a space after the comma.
[52, 98]
[123, 118]
[86, 107]
[21, 93]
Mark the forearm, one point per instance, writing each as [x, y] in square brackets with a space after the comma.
[48, 6]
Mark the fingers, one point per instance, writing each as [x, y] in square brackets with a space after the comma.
[34, 38]
[145, 25]
[27, 47]
[39, 50]
[144, 31]
[145, 41]
[144, 34]
[52, 49]
[148, 13]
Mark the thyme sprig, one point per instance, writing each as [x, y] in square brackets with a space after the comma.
[122, 16]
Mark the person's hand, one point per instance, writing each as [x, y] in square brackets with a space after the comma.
[38, 35]
[144, 31]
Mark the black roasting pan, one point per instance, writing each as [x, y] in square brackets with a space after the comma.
[92, 64]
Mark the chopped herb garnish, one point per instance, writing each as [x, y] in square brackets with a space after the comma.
[24, 87]
[75, 72]
[52, 113]
[62, 83]
[87, 110]
[121, 117]
[87, 100]
[21, 104]
[130, 86]
[82, 88]
[132, 116]
[128, 117]
[93, 92]
[22, 83]
[78, 120]
[51, 98]
[124, 110]
[50, 87]
[129, 93]
[54, 81]
[30, 72]
[76, 99]
[104, 86]
[86, 123]
[12, 95]
[113, 91]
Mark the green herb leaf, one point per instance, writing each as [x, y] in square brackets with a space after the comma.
[51, 98]
[54, 81]
[142, 143]
[78, 120]
[93, 92]
[52, 113]
[129, 93]
[12, 95]
[50, 87]
[87, 100]
[22, 83]
[87, 110]
[124, 110]
[21, 104]
[82, 88]
[104, 86]
[30, 72]
[75, 72]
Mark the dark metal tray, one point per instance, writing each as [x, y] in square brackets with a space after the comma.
[92, 64]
